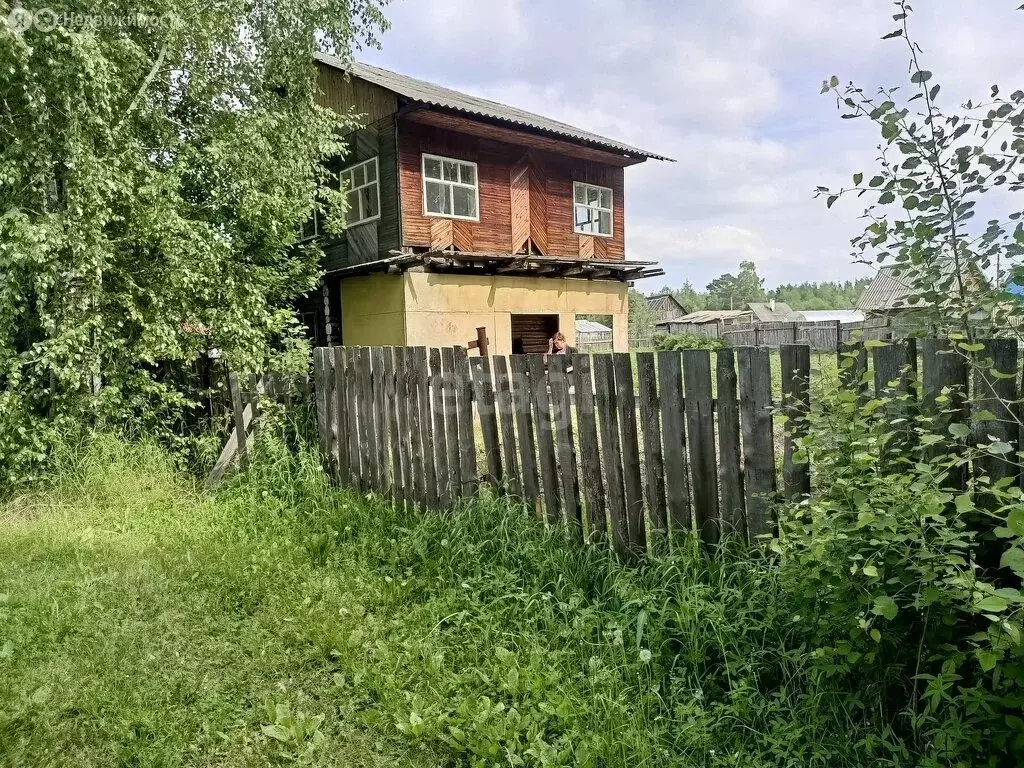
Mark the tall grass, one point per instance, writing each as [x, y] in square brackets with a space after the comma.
[142, 623]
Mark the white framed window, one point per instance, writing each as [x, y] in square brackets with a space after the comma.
[450, 188]
[592, 209]
[361, 183]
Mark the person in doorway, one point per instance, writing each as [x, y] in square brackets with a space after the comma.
[558, 346]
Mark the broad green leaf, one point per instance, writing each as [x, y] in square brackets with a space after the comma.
[988, 658]
[1013, 559]
[991, 604]
[921, 76]
[999, 448]
[885, 606]
[959, 430]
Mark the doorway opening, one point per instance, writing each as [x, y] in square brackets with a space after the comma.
[530, 333]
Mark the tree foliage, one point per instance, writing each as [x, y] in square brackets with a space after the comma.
[810, 295]
[730, 291]
[152, 178]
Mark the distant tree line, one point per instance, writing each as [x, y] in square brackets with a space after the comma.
[734, 291]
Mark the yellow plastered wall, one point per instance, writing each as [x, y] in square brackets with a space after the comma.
[446, 309]
[373, 310]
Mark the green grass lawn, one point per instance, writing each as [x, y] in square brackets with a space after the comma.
[281, 621]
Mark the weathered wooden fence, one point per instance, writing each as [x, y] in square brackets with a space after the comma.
[624, 448]
[819, 336]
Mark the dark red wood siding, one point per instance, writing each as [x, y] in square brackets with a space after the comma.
[549, 181]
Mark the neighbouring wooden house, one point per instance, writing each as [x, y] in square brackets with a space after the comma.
[708, 322]
[771, 311]
[467, 213]
[666, 307]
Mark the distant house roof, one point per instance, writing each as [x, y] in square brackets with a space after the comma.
[591, 326]
[825, 316]
[708, 316]
[433, 95]
[887, 292]
[769, 312]
[666, 302]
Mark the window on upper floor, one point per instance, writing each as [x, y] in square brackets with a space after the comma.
[450, 188]
[592, 209]
[361, 183]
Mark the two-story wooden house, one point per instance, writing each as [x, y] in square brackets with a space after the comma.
[467, 213]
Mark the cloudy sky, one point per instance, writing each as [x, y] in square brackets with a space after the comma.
[730, 88]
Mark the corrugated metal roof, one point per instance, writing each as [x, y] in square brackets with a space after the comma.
[886, 292]
[591, 326]
[439, 96]
[708, 316]
[766, 313]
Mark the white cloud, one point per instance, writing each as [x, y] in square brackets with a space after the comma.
[729, 88]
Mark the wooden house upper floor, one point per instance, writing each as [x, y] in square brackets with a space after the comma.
[431, 171]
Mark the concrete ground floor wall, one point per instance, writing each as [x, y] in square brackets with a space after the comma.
[431, 309]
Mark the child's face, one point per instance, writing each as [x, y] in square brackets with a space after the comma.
[559, 344]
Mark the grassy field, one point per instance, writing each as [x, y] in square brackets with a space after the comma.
[281, 622]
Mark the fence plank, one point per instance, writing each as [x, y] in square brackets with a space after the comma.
[367, 433]
[357, 462]
[650, 422]
[254, 401]
[522, 401]
[730, 473]
[545, 436]
[759, 480]
[896, 362]
[416, 444]
[405, 444]
[945, 367]
[677, 467]
[449, 384]
[467, 431]
[604, 393]
[795, 362]
[440, 442]
[391, 407]
[561, 402]
[590, 458]
[431, 498]
[237, 409]
[483, 392]
[631, 479]
[380, 423]
[700, 428]
[341, 414]
[998, 396]
[506, 419]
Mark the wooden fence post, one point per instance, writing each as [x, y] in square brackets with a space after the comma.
[730, 472]
[796, 373]
[391, 425]
[677, 468]
[561, 402]
[545, 436]
[653, 461]
[439, 448]
[483, 392]
[522, 400]
[758, 445]
[700, 426]
[237, 408]
[590, 459]
[467, 430]
[450, 384]
[604, 393]
[945, 367]
[506, 420]
[632, 482]
[996, 394]
[341, 415]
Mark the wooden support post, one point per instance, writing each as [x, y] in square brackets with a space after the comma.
[796, 374]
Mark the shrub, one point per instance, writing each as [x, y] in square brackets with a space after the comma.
[672, 341]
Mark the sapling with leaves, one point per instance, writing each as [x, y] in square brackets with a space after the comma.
[153, 177]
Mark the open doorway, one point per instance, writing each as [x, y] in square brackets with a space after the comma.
[530, 333]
